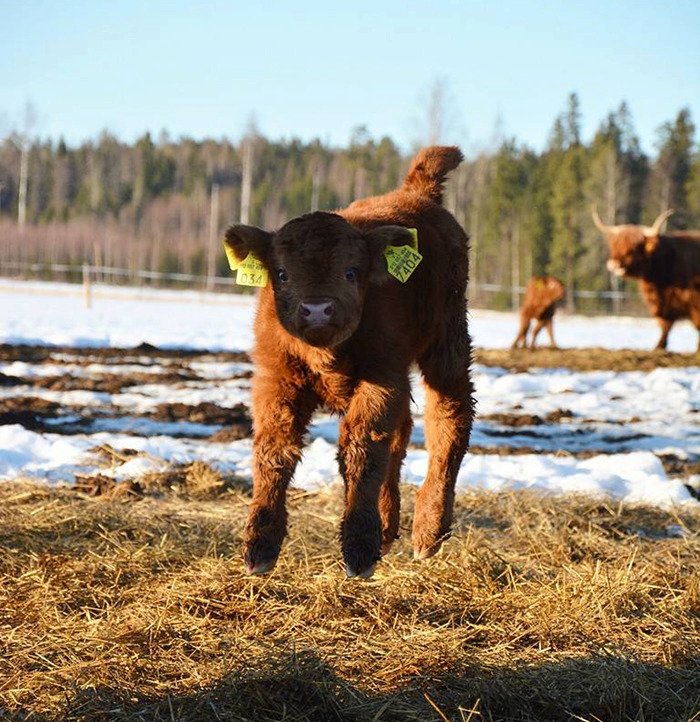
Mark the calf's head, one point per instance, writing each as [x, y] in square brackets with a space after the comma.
[321, 268]
[631, 247]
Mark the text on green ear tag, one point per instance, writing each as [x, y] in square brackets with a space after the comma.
[401, 261]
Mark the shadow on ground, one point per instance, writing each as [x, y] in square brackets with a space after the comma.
[302, 688]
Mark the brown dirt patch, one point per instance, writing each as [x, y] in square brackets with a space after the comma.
[109, 355]
[675, 466]
[7, 381]
[583, 359]
[235, 432]
[110, 383]
[27, 411]
[507, 419]
[203, 413]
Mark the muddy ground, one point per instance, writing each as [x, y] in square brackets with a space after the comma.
[178, 369]
[584, 359]
[576, 359]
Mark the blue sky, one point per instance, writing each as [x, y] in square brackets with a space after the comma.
[311, 69]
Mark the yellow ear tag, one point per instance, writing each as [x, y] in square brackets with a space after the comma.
[249, 272]
[401, 261]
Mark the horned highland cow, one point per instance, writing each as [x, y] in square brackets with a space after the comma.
[334, 328]
[666, 265]
[539, 303]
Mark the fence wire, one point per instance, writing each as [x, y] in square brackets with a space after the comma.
[97, 274]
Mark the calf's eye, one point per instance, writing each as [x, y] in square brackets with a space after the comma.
[351, 274]
[282, 275]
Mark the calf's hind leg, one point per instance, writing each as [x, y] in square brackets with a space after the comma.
[448, 420]
[535, 333]
[521, 338]
[389, 496]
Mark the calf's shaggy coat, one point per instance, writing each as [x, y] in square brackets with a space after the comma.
[335, 329]
[539, 303]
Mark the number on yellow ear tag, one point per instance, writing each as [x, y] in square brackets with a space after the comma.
[401, 261]
[249, 272]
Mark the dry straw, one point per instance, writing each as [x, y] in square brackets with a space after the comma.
[134, 606]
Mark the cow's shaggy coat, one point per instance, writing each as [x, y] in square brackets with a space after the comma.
[539, 303]
[667, 266]
[335, 329]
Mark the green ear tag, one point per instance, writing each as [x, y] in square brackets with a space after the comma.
[249, 272]
[401, 261]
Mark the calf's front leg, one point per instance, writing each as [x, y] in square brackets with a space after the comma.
[364, 454]
[281, 413]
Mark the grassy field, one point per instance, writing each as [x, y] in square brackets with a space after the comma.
[120, 604]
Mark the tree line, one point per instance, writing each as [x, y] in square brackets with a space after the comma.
[162, 204]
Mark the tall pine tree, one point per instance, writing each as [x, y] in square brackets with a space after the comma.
[567, 197]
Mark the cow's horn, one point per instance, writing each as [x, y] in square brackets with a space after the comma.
[599, 224]
[654, 229]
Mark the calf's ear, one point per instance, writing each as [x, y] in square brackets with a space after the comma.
[377, 240]
[242, 240]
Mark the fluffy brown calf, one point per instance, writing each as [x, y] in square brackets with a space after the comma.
[539, 303]
[335, 329]
[667, 266]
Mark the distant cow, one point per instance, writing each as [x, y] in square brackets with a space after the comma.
[335, 328]
[667, 266]
[541, 296]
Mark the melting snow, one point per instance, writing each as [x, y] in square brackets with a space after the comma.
[612, 412]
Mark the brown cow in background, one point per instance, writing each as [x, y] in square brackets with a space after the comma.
[335, 329]
[539, 303]
[667, 266]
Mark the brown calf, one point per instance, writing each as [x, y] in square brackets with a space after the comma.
[334, 328]
[539, 303]
[667, 266]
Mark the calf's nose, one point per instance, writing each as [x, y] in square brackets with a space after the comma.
[318, 312]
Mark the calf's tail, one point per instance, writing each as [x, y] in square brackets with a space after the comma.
[429, 170]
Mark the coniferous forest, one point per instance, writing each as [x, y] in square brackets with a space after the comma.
[161, 205]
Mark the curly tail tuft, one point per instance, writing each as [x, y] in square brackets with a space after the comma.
[429, 170]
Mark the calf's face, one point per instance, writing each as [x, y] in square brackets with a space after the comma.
[320, 267]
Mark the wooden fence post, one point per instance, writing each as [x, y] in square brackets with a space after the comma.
[87, 288]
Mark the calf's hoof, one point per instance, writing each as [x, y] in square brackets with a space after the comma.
[361, 556]
[262, 540]
[426, 546]
[361, 536]
[362, 574]
[260, 558]
[427, 552]
[258, 568]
